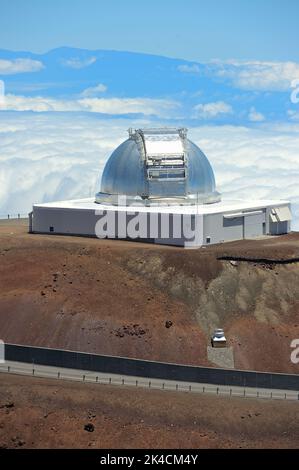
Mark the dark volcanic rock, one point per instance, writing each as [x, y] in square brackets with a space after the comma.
[89, 427]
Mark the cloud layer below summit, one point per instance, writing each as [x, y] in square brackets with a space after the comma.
[47, 157]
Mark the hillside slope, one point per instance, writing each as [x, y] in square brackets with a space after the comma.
[115, 297]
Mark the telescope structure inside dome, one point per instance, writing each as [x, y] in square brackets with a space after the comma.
[158, 165]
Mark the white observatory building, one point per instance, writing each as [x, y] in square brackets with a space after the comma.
[158, 186]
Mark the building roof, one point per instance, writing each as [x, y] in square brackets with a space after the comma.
[201, 209]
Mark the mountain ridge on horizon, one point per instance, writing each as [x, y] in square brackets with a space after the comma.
[214, 92]
[98, 50]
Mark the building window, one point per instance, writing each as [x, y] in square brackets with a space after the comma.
[208, 240]
[51, 229]
[233, 222]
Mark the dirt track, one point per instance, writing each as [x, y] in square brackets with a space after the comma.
[114, 297]
[40, 413]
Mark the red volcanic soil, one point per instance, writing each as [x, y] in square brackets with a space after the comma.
[42, 413]
[115, 297]
[78, 293]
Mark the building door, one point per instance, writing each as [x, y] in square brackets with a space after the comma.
[233, 228]
[253, 225]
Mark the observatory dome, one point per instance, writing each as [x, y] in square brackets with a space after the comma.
[158, 166]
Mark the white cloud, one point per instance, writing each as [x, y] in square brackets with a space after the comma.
[194, 68]
[94, 90]
[255, 116]
[2, 93]
[46, 157]
[211, 110]
[254, 163]
[146, 106]
[10, 67]
[294, 115]
[77, 63]
[259, 75]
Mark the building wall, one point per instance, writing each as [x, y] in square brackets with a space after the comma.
[63, 221]
[169, 229]
[159, 228]
[278, 228]
[254, 225]
[219, 229]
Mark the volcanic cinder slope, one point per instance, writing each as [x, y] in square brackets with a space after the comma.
[115, 297]
[39, 413]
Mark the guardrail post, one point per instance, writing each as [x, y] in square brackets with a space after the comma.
[203, 389]
[8, 370]
[176, 386]
[163, 386]
[217, 390]
[149, 384]
[58, 375]
[136, 383]
[8, 216]
[83, 378]
[230, 392]
[285, 396]
[97, 378]
[189, 388]
[271, 395]
[123, 381]
[18, 216]
[110, 380]
[33, 371]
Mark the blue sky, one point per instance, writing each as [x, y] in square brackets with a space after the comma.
[190, 29]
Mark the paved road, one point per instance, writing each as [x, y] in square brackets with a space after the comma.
[158, 384]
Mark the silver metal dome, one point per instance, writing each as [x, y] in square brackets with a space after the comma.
[158, 166]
